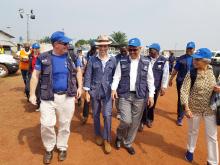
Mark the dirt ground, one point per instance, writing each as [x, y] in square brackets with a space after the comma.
[20, 141]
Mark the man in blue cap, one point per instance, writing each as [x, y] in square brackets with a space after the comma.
[59, 75]
[183, 65]
[161, 76]
[133, 84]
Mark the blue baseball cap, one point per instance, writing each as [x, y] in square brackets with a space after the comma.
[59, 36]
[190, 45]
[155, 46]
[134, 42]
[36, 46]
[203, 53]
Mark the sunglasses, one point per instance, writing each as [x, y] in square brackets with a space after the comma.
[132, 50]
[62, 43]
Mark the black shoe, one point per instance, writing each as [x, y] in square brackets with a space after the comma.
[62, 155]
[141, 127]
[117, 143]
[48, 155]
[149, 124]
[130, 150]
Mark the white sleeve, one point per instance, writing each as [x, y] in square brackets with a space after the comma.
[116, 77]
[150, 81]
[165, 77]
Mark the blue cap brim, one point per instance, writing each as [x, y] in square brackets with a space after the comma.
[196, 56]
[66, 40]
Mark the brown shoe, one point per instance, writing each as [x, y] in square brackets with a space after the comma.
[107, 147]
[99, 140]
[48, 155]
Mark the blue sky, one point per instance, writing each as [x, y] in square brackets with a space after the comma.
[171, 23]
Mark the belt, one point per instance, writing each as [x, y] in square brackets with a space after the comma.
[133, 92]
[60, 92]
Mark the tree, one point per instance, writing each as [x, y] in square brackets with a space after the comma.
[46, 39]
[81, 42]
[119, 38]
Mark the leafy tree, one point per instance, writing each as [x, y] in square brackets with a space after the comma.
[119, 38]
[46, 39]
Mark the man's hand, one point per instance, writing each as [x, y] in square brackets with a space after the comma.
[188, 114]
[217, 89]
[79, 93]
[162, 91]
[33, 99]
[87, 96]
[150, 102]
[114, 95]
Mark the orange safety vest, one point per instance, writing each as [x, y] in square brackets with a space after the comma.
[24, 65]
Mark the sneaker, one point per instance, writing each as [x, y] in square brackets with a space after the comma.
[99, 140]
[179, 122]
[189, 156]
[118, 116]
[117, 143]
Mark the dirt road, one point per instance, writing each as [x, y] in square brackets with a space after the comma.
[20, 141]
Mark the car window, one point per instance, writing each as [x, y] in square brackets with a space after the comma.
[217, 55]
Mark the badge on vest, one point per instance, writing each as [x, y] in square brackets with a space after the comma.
[44, 61]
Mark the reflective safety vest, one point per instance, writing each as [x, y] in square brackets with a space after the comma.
[2, 51]
[24, 65]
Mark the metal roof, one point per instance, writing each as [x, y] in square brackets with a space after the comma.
[1, 31]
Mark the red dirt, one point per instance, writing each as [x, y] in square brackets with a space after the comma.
[20, 139]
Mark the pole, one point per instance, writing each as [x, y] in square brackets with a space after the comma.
[28, 27]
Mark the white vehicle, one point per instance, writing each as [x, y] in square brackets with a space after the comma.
[216, 57]
[8, 65]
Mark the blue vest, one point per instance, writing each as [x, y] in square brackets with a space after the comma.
[141, 81]
[182, 70]
[47, 79]
[158, 70]
[97, 80]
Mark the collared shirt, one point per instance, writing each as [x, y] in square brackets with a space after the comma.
[165, 78]
[103, 66]
[133, 76]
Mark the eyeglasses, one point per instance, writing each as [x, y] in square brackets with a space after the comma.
[132, 50]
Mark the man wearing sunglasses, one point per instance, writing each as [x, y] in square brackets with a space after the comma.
[183, 65]
[133, 84]
[59, 77]
[161, 76]
[97, 83]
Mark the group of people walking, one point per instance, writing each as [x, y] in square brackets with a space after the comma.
[130, 80]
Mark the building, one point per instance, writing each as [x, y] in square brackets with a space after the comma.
[6, 41]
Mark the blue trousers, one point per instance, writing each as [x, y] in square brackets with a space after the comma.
[105, 106]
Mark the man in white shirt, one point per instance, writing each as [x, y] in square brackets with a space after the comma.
[161, 77]
[133, 84]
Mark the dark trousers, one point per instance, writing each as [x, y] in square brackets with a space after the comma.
[180, 111]
[148, 114]
[86, 109]
[24, 74]
[171, 68]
